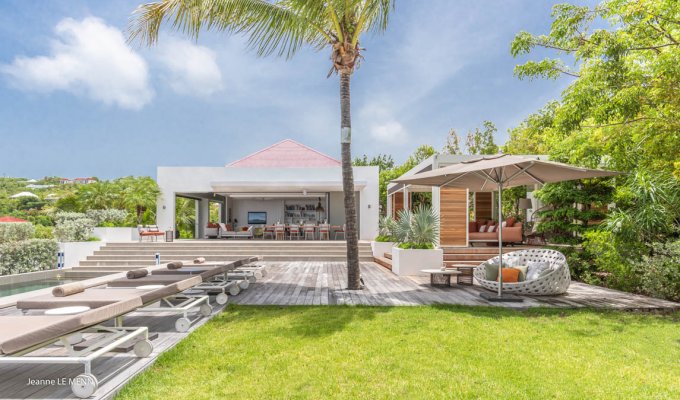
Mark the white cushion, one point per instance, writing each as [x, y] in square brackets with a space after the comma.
[536, 269]
[482, 228]
[492, 228]
[503, 224]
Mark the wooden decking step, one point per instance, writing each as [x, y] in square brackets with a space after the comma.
[388, 256]
[383, 262]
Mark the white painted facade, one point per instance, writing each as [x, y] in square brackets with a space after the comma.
[264, 189]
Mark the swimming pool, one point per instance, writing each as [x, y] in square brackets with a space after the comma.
[22, 287]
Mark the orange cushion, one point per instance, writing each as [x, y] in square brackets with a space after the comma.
[510, 222]
[510, 275]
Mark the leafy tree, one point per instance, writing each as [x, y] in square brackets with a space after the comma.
[185, 217]
[283, 27]
[382, 161]
[452, 145]
[625, 90]
[480, 141]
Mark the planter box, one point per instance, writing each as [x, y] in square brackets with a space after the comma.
[410, 262]
[116, 234]
[380, 248]
[75, 252]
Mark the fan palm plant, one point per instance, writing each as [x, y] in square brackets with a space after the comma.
[388, 228]
[418, 229]
[283, 27]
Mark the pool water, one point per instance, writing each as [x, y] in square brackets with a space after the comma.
[16, 288]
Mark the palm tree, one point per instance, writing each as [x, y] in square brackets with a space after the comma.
[97, 196]
[140, 194]
[282, 27]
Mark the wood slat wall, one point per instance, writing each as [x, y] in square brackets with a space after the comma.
[483, 205]
[453, 217]
[397, 203]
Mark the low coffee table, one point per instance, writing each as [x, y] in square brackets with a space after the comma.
[440, 277]
[466, 270]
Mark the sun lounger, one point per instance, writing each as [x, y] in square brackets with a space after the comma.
[162, 294]
[22, 336]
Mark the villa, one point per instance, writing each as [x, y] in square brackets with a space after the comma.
[287, 183]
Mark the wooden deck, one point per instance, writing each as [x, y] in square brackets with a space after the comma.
[324, 283]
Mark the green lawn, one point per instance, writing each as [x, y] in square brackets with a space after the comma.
[420, 352]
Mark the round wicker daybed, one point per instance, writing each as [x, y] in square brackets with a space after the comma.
[555, 281]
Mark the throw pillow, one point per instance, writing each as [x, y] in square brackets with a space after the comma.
[522, 272]
[482, 228]
[536, 269]
[492, 228]
[510, 275]
[510, 222]
[491, 270]
[504, 224]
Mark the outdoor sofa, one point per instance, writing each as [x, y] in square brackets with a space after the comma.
[541, 272]
[487, 231]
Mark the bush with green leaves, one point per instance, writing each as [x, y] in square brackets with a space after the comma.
[15, 231]
[73, 227]
[660, 272]
[43, 232]
[108, 217]
[28, 256]
[387, 229]
[417, 229]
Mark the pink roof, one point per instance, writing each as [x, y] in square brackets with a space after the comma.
[286, 154]
[11, 219]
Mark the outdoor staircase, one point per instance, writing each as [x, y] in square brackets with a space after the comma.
[120, 256]
[459, 255]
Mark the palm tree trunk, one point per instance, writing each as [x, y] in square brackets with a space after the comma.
[353, 269]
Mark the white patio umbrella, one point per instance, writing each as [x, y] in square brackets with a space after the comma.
[497, 172]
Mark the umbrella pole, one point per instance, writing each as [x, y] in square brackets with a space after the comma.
[500, 239]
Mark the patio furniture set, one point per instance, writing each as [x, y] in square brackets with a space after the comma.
[541, 272]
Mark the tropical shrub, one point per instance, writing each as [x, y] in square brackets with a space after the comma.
[27, 256]
[387, 230]
[16, 231]
[73, 227]
[660, 272]
[109, 217]
[43, 232]
[417, 229]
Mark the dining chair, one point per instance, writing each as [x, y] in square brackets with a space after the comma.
[280, 231]
[268, 231]
[294, 232]
[324, 230]
[309, 230]
[340, 231]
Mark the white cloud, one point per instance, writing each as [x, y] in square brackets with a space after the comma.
[88, 58]
[382, 125]
[192, 69]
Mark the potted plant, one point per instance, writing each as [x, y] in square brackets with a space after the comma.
[386, 237]
[417, 232]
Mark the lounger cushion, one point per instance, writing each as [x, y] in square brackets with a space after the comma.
[175, 265]
[137, 273]
[93, 298]
[199, 260]
[68, 289]
[22, 332]
[148, 280]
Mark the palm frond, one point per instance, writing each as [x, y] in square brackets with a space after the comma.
[269, 27]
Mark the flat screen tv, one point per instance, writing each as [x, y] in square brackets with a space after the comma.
[257, 217]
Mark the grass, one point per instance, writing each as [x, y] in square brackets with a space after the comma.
[420, 352]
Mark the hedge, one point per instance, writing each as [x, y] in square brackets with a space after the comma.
[15, 231]
[28, 256]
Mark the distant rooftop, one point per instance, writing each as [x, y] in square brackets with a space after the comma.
[286, 154]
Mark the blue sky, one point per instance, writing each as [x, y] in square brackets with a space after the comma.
[75, 100]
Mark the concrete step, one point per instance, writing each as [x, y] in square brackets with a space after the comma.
[281, 258]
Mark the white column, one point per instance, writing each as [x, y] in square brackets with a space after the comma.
[165, 211]
[202, 217]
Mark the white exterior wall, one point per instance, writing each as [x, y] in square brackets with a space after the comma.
[172, 180]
